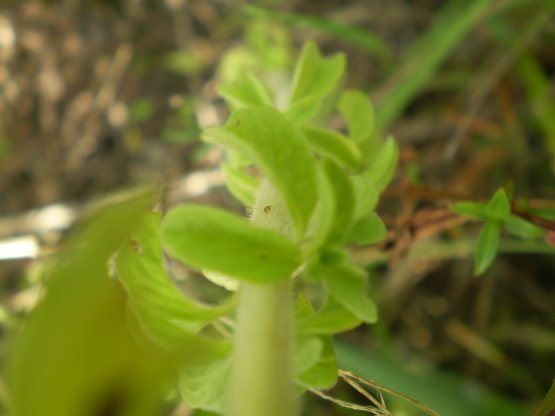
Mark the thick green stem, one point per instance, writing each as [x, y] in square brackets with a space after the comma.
[262, 373]
[262, 377]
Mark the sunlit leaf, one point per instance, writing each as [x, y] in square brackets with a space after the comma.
[314, 74]
[164, 312]
[366, 196]
[333, 145]
[212, 239]
[279, 149]
[486, 247]
[246, 91]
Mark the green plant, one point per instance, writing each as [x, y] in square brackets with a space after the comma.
[313, 190]
[309, 192]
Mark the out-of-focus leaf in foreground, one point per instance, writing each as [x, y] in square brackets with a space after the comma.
[75, 355]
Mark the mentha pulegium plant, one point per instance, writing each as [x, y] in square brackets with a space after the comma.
[310, 191]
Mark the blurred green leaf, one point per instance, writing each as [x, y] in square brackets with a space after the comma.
[424, 58]
[164, 313]
[315, 76]
[382, 166]
[333, 145]
[215, 240]
[267, 137]
[75, 355]
[547, 405]
[330, 319]
[499, 207]
[322, 375]
[368, 230]
[246, 91]
[470, 209]
[308, 352]
[522, 228]
[366, 196]
[356, 109]
[343, 201]
[204, 386]
[347, 284]
[486, 247]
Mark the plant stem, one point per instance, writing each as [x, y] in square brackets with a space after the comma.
[262, 373]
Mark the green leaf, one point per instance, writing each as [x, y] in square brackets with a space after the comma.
[333, 145]
[343, 201]
[356, 109]
[470, 209]
[212, 239]
[163, 312]
[303, 110]
[241, 185]
[499, 207]
[330, 319]
[322, 375]
[522, 228]
[383, 165]
[75, 354]
[347, 284]
[205, 386]
[368, 230]
[279, 149]
[547, 405]
[308, 352]
[486, 248]
[246, 91]
[366, 196]
[315, 76]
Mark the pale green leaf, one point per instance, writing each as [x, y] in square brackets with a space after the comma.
[333, 145]
[246, 91]
[330, 319]
[279, 149]
[357, 111]
[315, 76]
[382, 166]
[212, 239]
[322, 375]
[347, 284]
[486, 247]
[205, 386]
[499, 207]
[163, 311]
[308, 352]
[368, 230]
[303, 110]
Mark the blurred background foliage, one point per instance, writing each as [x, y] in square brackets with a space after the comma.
[99, 95]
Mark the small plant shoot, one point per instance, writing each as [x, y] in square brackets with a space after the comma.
[309, 192]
